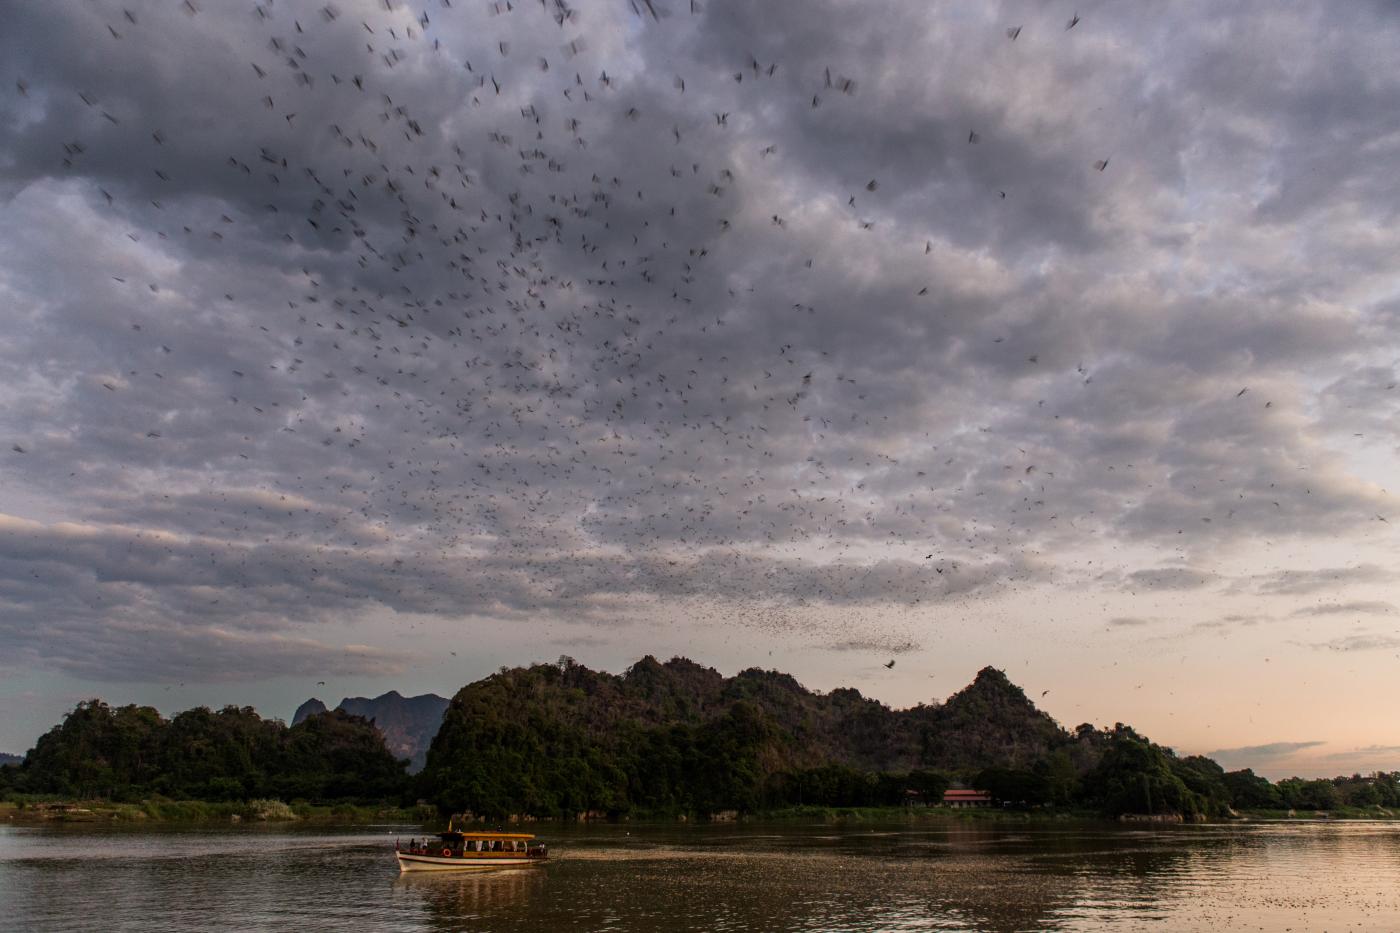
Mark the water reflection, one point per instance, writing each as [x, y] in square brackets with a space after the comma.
[997, 878]
[472, 895]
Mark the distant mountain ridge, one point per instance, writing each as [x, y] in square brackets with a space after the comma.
[7, 759]
[311, 707]
[408, 724]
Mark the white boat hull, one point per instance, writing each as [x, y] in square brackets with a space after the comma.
[437, 863]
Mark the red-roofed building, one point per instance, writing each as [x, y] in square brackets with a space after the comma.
[966, 798]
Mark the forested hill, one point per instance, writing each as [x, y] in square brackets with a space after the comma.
[580, 739]
[560, 739]
[132, 752]
[990, 722]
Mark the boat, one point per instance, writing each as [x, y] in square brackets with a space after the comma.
[459, 851]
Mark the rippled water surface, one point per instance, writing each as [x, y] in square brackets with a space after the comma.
[1271, 877]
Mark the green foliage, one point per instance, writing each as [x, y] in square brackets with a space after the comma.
[1136, 776]
[990, 723]
[1061, 777]
[559, 739]
[1204, 778]
[217, 756]
[562, 740]
[1015, 786]
[1378, 790]
[130, 753]
[1309, 795]
[929, 785]
[97, 751]
[1248, 791]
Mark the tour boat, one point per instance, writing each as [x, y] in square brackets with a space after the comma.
[458, 851]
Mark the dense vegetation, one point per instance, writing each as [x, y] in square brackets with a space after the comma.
[131, 752]
[662, 739]
[678, 737]
[560, 739]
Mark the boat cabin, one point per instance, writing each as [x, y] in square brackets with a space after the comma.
[483, 846]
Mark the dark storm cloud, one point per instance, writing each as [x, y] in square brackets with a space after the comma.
[313, 317]
[71, 592]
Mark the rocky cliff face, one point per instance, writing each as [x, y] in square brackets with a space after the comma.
[310, 708]
[408, 724]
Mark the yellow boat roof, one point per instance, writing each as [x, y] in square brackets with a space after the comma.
[458, 834]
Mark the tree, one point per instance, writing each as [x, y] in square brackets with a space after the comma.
[1249, 791]
[1014, 786]
[128, 752]
[97, 751]
[1060, 775]
[1319, 795]
[1136, 776]
[1205, 778]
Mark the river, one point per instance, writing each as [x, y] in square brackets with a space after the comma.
[1296, 876]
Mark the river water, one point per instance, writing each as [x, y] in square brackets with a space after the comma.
[1297, 876]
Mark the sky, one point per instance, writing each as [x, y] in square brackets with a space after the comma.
[375, 345]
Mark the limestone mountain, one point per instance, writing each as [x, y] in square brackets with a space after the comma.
[310, 708]
[408, 724]
[573, 738]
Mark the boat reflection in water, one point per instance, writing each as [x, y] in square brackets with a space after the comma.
[459, 851]
[444, 899]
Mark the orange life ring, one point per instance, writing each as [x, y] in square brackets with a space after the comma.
[446, 853]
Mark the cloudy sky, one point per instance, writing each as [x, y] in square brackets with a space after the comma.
[381, 344]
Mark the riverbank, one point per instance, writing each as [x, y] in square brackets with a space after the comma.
[160, 810]
[53, 810]
[1037, 815]
[934, 815]
[925, 814]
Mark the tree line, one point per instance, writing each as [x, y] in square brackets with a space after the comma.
[547, 749]
[129, 753]
[492, 761]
